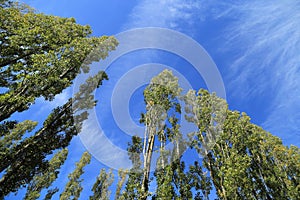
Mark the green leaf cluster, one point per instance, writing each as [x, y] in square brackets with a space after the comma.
[73, 187]
[41, 55]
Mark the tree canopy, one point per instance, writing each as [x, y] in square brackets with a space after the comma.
[41, 55]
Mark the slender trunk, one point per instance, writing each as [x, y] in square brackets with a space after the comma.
[162, 150]
[147, 165]
[177, 148]
[145, 142]
[212, 175]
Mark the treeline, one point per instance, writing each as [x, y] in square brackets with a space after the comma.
[40, 57]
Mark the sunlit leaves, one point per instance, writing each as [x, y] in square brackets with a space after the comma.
[73, 187]
[41, 55]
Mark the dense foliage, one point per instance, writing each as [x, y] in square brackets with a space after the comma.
[40, 57]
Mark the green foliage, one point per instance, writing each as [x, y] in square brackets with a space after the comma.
[134, 151]
[46, 177]
[247, 162]
[100, 188]
[122, 174]
[133, 189]
[244, 161]
[172, 180]
[73, 187]
[28, 157]
[50, 193]
[41, 55]
[161, 104]
[199, 181]
[165, 188]
[240, 159]
[12, 133]
[6, 126]
[208, 113]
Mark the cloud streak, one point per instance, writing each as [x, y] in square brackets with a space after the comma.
[164, 13]
[267, 35]
[265, 39]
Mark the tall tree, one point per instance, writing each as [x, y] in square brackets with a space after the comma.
[160, 98]
[240, 159]
[101, 187]
[169, 165]
[46, 178]
[173, 180]
[28, 157]
[122, 174]
[73, 187]
[199, 181]
[161, 120]
[12, 133]
[244, 161]
[41, 55]
[133, 188]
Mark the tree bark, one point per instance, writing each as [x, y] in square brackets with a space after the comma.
[147, 165]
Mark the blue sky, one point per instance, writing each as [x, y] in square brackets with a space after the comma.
[255, 46]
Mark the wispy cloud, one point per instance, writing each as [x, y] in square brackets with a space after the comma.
[267, 36]
[265, 39]
[157, 13]
[59, 100]
[102, 147]
[165, 13]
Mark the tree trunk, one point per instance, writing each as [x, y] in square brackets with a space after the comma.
[147, 165]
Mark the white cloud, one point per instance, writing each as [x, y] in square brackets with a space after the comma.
[59, 100]
[164, 13]
[158, 13]
[267, 35]
[102, 147]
